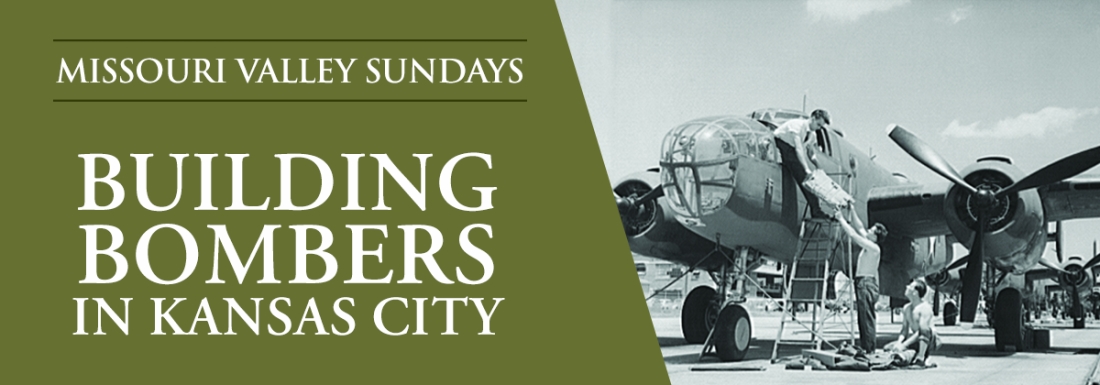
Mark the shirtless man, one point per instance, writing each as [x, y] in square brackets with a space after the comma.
[866, 276]
[916, 327]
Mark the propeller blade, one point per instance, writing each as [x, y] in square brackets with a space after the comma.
[1052, 266]
[1092, 262]
[935, 301]
[926, 155]
[651, 195]
[972, 279]
[958, 262]
[1054, 172]
[628, 204]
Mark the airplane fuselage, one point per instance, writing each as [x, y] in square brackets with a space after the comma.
[765, 208]
[724, 182]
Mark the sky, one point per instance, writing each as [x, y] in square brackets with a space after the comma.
[971, 78]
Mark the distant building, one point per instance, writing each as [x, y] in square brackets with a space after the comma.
[655, 274]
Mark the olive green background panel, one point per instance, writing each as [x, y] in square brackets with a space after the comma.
[572, 310]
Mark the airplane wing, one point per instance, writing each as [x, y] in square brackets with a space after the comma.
[916, 210]
[1073, 198]
[911, 210]
[1039, 273]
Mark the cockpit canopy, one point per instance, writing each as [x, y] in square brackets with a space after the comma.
[775, 117]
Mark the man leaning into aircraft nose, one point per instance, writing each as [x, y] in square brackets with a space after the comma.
[791, 142]
[866, 275]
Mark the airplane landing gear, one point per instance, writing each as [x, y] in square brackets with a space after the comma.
[1008, 321]
[699, 314]
[950, 313]
[733, 333]
[1077, 312]
[715, 317]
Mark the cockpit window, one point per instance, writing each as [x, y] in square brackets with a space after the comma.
[774, 117]
[756, 145]
[735, 125]
[788, 116]
[822, 139]
[767, 150]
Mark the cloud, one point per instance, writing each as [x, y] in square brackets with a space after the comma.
[960, 14]
[848, 10]
[1050, 120]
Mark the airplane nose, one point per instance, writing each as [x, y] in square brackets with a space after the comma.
[696, 171]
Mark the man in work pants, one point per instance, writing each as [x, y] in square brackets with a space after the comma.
[791, 142]
[866, 276]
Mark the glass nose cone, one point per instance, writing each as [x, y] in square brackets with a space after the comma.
[695, 168]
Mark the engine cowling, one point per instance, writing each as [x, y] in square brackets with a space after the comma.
[652, 229]
[1015, 229]
[946, 281]
[1076, 275]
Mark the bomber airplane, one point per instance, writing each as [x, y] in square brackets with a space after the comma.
[720, 187]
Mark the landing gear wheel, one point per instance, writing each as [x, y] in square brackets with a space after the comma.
[733, 333]
[699, 314]
[1077, 312]
[1009, 324]
[950, 314]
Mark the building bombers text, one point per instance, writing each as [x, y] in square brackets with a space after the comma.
[103, 243]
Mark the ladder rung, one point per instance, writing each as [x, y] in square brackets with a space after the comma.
[808, 279]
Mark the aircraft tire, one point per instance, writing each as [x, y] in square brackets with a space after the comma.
[1077, 312]
[1009, 325]
[733, 334]
[950, 314]
[699, 314]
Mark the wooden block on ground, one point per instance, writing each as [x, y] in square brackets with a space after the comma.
[830, 359]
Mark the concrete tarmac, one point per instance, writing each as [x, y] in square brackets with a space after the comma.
[968, 356]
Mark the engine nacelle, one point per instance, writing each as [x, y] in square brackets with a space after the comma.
[946, 281]
[1076, 276]
[1015, 230]
[652, 229]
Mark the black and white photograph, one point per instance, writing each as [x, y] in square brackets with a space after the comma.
[855, 191]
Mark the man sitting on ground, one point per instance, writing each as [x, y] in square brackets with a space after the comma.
[916, 328]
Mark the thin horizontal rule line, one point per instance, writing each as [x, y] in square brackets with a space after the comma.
[290, 100]
[290, 40]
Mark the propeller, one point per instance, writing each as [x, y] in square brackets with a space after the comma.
[984, 200]
[972, 279]
[924, 153]
[1055, 172]
[1072, 278]
[957, 263]
[631, 203]
[1092, 262]
[1052, 266]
